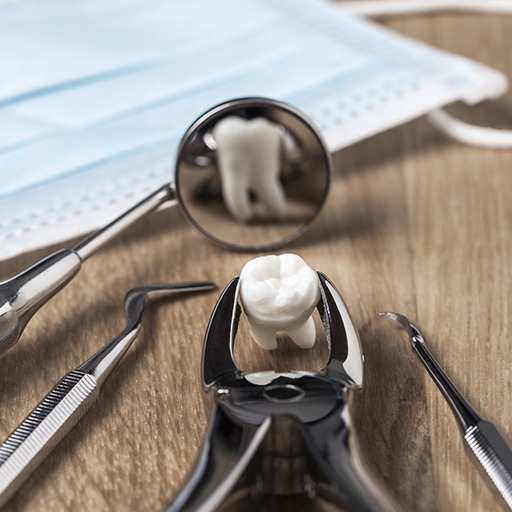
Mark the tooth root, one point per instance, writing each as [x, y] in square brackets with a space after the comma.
[265, 337]
[235, 193]
[304, 334]
[266, 170]
[271, 194]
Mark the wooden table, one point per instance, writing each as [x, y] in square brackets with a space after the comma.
[415, 223]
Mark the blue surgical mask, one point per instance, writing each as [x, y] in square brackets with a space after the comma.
[95, 96]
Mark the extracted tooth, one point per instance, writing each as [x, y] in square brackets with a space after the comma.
[248, 157]
[279, 293]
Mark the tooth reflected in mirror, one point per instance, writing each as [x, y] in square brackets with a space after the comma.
[252, 173]
[249, 163]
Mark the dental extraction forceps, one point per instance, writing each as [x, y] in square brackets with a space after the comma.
[482, 438]
[282, 433]
[72, 397]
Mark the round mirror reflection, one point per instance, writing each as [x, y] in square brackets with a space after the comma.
[252, 174]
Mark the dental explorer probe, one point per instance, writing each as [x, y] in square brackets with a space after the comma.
[482, 438]
[72, 397]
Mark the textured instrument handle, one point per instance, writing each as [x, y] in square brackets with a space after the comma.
[43, 428]
[494, 455]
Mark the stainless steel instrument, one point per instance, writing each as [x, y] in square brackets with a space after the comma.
[72, 397]
[481, 437]
[275, 434]
[306, 184]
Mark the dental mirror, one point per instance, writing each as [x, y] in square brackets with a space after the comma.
[251, 174]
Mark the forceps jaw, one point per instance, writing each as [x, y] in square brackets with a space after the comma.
[346, 360]
[345, 363]
[220, 334]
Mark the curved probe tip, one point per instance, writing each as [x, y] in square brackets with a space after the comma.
[412, 330]
[136, 297]
[401, 319]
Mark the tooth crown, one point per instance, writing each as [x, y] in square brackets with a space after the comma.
[280, 293]
[233, 131]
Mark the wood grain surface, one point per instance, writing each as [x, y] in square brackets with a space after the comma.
[415, 223]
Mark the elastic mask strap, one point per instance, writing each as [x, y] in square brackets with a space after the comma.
[479, 136]
[385, 8]
[461, 131]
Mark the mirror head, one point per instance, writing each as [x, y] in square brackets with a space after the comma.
[252, 174]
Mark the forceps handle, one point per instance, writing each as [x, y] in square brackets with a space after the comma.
[44, 428]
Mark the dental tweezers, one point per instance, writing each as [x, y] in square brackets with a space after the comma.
[481, 437]
[72, 397]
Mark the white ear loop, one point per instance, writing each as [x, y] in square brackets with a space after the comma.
[383, 8]
[478, 136]
[466, 133]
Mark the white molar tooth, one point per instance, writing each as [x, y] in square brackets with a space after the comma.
[279, 293]
[248, 157]
[303, 334]
[265, 337]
